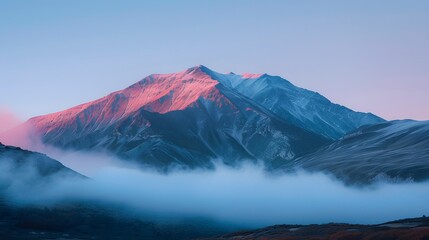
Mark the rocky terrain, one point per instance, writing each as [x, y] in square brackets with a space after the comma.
[410, 229]
[395, 151]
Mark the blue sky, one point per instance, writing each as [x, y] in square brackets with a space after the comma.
[371, 56]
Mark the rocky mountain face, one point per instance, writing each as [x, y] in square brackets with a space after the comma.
[189, 118]
[301, 107]
[394, 151]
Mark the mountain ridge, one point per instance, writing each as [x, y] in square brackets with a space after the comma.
[228, 116]
[16, 160]
[394, 151]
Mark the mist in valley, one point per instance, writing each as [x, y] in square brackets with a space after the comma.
[245, 196]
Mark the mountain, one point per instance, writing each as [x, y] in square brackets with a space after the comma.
[17, 160]
[392, 151]
[22, 171]
[194, 116]
[301, 107]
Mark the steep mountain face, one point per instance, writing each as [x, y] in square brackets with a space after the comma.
[393, 151]
[301, 107]
[191, 117]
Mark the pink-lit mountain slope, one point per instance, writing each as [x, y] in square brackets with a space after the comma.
[191, 117]
[159, 93]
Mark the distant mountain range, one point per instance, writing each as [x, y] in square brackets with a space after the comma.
[393, 151]
[189, 118]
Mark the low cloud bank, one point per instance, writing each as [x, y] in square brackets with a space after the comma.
[245, 196]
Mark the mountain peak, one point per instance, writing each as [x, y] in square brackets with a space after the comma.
[197, 113]
[199, 69]
[205, 70]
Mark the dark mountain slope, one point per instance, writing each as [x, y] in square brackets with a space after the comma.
[392, 151]
[17, 160]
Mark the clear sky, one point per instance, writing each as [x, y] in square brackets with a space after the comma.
[371, 56]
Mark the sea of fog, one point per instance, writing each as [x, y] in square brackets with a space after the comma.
[246, 195]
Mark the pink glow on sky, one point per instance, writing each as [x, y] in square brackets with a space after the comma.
[8, 120]
[13, 132]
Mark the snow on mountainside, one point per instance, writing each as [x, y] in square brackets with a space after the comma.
[392, 151]
[302, 107]
[190, 117]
